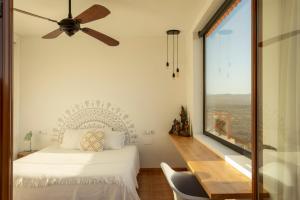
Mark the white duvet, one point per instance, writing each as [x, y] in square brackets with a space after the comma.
[60, 174]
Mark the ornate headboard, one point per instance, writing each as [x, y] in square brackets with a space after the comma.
[95, 114]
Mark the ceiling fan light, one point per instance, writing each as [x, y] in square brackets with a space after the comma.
[70, 33]
[69, 26]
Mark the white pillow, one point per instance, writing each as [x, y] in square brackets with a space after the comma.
[114, 139]
[71, 139]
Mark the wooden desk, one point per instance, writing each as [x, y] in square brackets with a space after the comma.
[218, 178]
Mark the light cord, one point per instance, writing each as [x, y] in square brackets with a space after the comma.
[177, 56]
[70, 9]
[173, 56]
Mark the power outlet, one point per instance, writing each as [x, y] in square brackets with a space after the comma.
[148, 137]
[149, 132]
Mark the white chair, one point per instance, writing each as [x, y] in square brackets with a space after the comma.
[185, 186]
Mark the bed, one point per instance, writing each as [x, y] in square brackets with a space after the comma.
[68, 174]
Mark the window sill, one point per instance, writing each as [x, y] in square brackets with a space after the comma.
[238, 161]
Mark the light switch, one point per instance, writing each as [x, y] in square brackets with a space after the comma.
[147, 139]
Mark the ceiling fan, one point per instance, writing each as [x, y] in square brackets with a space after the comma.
[71, 25]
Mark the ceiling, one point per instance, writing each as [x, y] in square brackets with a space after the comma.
[127, 18]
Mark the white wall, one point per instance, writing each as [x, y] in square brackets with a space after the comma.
[16, 94]
[57, 74]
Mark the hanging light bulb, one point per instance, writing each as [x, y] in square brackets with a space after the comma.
[167, 64]
[174, 61]
[173, 57]
[177, 70]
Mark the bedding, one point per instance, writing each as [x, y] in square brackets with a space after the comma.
[71, 139]
[66, 174]
[114, 139]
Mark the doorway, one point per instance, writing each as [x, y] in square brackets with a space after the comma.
[279, 99]
[6, 42]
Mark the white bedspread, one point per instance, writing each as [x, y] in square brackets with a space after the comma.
[55, 173]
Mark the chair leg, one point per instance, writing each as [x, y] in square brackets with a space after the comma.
[176, 197]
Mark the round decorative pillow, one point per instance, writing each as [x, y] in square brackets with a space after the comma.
[92, 141]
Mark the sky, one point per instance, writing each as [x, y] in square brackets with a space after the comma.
[228, 54]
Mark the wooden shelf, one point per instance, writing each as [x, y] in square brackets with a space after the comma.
[218, 178]
[25, 153]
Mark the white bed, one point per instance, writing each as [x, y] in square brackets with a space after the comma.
[55, 173]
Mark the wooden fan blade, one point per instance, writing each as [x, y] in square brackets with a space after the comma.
[34, 15]
[100, 36]
[93, 13]
[53, 34]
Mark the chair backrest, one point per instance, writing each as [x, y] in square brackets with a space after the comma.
[168, 172]
[172, 176]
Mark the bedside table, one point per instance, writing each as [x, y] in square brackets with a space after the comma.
[25, 153]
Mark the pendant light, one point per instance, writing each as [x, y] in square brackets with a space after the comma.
[173, 33]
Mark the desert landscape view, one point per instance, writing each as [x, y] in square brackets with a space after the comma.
[229, 116]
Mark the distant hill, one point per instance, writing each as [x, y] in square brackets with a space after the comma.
[239, 106]
[228, 99]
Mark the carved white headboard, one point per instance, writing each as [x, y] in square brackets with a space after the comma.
[95, 114]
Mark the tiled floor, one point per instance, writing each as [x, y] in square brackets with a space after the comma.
[153, 186]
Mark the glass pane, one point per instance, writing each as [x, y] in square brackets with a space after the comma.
[279, 99]
[228, 76]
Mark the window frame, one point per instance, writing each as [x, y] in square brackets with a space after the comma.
[219, 13]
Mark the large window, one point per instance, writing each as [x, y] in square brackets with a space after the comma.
[228, 75]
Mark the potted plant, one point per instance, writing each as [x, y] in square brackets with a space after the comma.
[27, 138]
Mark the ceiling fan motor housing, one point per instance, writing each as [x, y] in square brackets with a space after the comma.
[69, 26]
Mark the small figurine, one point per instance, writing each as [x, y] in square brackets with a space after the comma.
[183, 115]
[175, 127]
[185, 131]
[181, 128]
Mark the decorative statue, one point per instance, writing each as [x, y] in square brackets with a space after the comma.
[183, 115]
[175, 127]
[181, 128]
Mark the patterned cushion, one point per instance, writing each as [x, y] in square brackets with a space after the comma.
[92, 141]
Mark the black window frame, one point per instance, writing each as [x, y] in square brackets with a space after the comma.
[219, 13]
